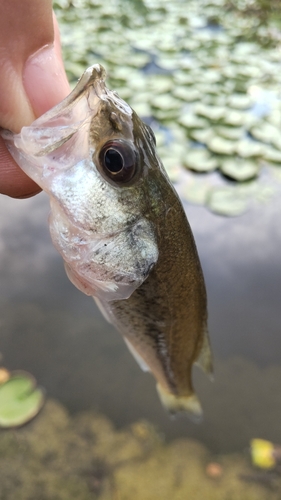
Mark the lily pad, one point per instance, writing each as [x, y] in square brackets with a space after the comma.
[166, 115]
[233, 133]
[183, 78]
[20, 400]
[240, 101]
[165, 102]
[240, 170]
[187, 94]
[200, 160]
[272, 154]
[227, 201]
[235, 118]
[191, 120]
[275, 118]
[266, 132]
[167, 63]
[221, 146]
[202, 135]
[138, 60]
[214, 113]
[247, 148]
[160, 84]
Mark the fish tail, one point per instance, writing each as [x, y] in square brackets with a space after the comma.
[204, 360]
[180, 404]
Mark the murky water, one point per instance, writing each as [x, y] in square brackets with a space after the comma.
[55, 332]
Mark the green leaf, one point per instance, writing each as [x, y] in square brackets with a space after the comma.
[20, 400]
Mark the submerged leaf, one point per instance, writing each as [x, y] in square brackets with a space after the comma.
[20, 400]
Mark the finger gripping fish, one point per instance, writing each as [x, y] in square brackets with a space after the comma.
[121, 230]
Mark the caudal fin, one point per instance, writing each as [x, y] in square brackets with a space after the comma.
[180, 404]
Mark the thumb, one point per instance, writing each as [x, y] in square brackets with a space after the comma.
[44, 78]
[32, 78]
[32, 73]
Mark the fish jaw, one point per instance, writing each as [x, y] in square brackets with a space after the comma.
[37, 148]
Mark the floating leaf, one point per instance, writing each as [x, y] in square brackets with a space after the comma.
[240, 101]
[202, 135]
[138, 60]
[233, 133]
[248, 148]
[187, 94]
[215, 113]
[240, 170]
[272, 154]
[226, 201]
[181, 78]
[200, 160]
[20, 400]
[166, 102]
[221, 146]
[235, 118]
[192, 121]
[160, 84]
[266, 132]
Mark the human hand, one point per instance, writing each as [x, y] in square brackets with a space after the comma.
[32, 78]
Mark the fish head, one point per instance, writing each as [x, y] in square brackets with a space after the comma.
[96, 159]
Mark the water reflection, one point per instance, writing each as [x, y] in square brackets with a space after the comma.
[56, 333]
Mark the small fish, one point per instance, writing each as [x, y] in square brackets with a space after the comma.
[121, 230]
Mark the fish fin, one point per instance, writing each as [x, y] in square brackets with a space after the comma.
[102, 309]
[181, 404]
[137, 356]
[204, 360]
[106, 313]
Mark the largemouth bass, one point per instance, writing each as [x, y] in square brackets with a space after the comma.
[121, 230]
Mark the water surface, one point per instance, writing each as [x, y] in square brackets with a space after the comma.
[52, 330]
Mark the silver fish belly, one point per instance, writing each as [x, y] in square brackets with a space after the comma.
[121, 230]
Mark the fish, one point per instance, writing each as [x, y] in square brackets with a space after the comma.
[122, 231]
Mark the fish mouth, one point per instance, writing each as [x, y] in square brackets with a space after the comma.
[60, 125]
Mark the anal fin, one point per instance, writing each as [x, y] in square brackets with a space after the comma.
[137, 356]
[204, 360]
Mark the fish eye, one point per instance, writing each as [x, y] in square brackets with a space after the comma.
[118, 161]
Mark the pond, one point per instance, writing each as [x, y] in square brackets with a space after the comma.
[105, 426]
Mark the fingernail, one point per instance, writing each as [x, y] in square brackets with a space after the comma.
[44, 80]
